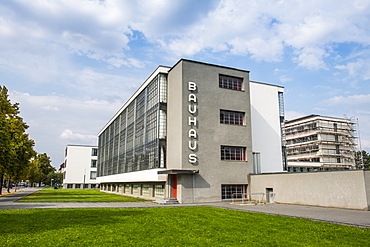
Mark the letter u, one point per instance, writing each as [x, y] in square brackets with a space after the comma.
[192, 145]
[192, 109]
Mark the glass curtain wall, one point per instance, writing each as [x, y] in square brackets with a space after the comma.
[135, 140]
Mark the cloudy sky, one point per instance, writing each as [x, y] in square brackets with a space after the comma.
[71, 64]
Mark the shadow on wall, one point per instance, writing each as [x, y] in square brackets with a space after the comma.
[266, 140]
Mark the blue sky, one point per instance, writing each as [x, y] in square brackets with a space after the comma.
[71, 64]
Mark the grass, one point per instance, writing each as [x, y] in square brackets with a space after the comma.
[65, 195]
[169, 226]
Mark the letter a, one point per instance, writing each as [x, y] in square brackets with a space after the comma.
[192, 133]
[192, 97]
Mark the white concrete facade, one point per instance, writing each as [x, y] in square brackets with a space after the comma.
[80, 167]
[267, 119]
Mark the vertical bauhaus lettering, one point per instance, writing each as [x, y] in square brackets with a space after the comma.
[192, 121]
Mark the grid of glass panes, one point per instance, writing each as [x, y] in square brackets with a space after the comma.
[162, 88]
[115, 156]
[135, 189]
[122, 143]
[233, 191]
[127, 189]
[230, 82]
[145, 189]
[231, 117]
[131, 142]
[232, 153]
[159, 190]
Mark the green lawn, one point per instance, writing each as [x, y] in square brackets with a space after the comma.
[62, 195]
[169, 226]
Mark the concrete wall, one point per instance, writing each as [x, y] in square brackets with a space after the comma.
[78, 165]
[266, 129]
[213, 172]
[343, 189]
[150, 175]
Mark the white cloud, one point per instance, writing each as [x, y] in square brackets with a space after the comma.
[50, 108]
[263, 30]
[52, 118]
[352, 100]
[356, 69]
[311, 58]
[70, 136]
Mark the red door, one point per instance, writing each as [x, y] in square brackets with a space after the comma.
[174, 186]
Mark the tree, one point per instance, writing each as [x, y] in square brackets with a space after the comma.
[362, 159]
[16, 149]
[40, 169]
[55, 178]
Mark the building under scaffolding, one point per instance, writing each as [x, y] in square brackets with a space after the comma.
[316, 143]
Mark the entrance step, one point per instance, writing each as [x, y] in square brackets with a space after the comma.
[167, 201]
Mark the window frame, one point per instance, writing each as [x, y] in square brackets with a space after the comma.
[234, 153]
[231, 82]
[232, 117]
[94, 163]
[91, 175]
[233, 191]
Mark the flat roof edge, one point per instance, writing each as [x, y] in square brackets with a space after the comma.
[209, 64]
[159, 70]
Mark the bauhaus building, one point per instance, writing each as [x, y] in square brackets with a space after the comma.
[193, 132]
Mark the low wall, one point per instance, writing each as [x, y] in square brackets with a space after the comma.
[342, 189]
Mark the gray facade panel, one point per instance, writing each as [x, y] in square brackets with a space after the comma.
[210, 134]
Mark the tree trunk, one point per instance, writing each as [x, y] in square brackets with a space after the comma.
[8, 186]
[1, 183]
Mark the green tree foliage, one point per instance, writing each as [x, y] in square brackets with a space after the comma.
[56, 177]
[16, 148]
[363, 159]
[40, 169]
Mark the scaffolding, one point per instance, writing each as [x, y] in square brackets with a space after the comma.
[328, 141]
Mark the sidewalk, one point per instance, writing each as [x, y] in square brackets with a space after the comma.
[353, 217]
[357, 218]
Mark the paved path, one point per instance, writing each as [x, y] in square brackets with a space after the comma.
[357, 218]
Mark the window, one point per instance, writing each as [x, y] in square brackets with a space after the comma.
[159, 190]
[233, 153]
[233, 191]
[230, 82]
[231, 117]
[86, 186]
[337, 151]
[93, 186]
[77, 186]
[93, 175]
[94, 152]
[93, 163]
[69, 186]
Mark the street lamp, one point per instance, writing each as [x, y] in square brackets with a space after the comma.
[51, 182]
